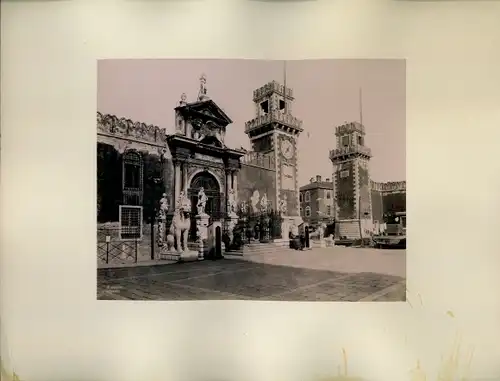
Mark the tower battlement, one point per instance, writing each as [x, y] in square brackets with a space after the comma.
[270, 88]
[349, 128]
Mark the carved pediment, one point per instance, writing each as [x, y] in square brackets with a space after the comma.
[207, 110]
[212, 141]
[208, 133]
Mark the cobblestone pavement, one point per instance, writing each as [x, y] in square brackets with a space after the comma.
[248, 279]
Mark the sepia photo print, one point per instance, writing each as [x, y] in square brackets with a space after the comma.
[251, 180]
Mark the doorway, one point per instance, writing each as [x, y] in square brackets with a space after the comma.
[214, 197]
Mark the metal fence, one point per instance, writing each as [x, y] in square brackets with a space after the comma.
[111, 250]
[262, 226]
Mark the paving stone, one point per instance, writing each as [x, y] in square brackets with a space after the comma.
[240, 279]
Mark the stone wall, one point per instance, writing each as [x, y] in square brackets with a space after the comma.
[252, 178]
[387, 202]
[394, 202]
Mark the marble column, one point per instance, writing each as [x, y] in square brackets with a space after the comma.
[235, 183]
[228, 187]
[177, 185]
[185, 179]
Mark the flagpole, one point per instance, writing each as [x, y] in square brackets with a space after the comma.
[284, 85]
[361, 106]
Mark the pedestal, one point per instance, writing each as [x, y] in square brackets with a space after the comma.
[285, 228]
[265, 235]
[231, 221]
[215, 245]
[189, 256]
[201, 232]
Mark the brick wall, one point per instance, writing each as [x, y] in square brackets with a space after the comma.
[109, 182]
[312, 204]
[377, 206]
[251, 178]
[345, 192]
[364, 191]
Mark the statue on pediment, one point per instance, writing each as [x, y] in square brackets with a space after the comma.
[202, 95]
[183, 100]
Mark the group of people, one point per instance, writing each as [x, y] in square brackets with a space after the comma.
[297, 236]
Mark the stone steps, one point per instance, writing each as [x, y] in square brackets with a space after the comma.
[349, 229]
[264, 248]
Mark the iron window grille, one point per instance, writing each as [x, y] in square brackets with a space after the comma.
[130, 222]
[133, 178]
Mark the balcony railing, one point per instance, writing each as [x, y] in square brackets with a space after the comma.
[274, 116]
[335, 153]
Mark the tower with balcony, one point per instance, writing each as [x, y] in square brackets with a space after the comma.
[351, 177]
[273, 132]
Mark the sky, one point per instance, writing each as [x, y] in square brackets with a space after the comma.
[326, 95]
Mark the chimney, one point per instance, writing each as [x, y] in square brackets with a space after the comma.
[318, 178]
[311, 180]
[327, 179]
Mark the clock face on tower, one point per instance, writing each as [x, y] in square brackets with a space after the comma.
[287, 149]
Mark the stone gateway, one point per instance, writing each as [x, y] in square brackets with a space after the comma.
[153, 186]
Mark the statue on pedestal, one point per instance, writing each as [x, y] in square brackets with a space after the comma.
[202, 201]
[244, 207]
[162, 216]
[254, 201]
[163, 207]
[283, 204]
[181, 222]
[264, 204]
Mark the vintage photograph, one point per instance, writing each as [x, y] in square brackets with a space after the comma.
[251, 180]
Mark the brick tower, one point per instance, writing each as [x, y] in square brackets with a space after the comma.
[351, 178]
[274, 131]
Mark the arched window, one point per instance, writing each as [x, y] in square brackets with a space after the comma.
[308, 211]
[308, 196]
[328, 195]
[205, 180]
[133, 182]
[301, 197]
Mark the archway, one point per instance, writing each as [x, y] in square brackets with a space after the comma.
[212, 190]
